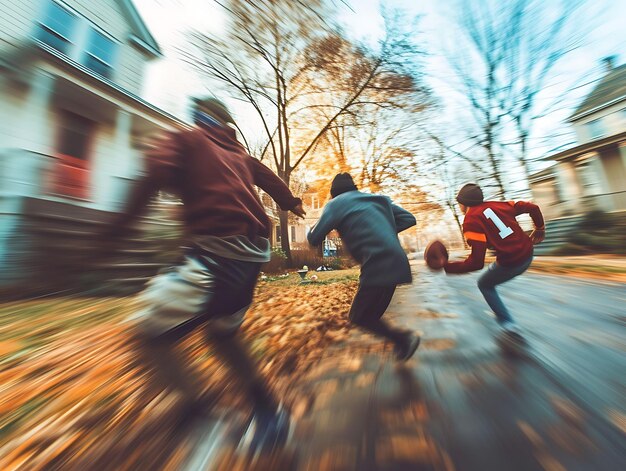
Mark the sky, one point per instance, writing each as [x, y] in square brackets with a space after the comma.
[170, 82]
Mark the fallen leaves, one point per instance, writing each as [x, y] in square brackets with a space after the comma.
[73, 395]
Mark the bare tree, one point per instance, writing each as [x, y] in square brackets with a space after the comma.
[541, 39]
[511, 49]
[299, 73]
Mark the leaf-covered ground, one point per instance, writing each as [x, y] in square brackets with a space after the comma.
[74, 396]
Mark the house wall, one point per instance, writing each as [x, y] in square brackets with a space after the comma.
[34, 90]
[29, 121]
[130, 62]
[615, 172]
[612, 119]
[545, 194]
[569, 184]
[25, 112]
[18, 24]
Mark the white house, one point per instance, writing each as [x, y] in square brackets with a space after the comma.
[72, 119]
[591, 175]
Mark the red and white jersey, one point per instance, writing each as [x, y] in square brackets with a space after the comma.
[494, 223]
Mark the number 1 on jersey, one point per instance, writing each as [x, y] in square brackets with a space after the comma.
[505, 231]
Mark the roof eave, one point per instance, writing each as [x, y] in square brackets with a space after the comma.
[588, 147]
[577, 116]
[145, 46]
[173, 120]
[143, 33]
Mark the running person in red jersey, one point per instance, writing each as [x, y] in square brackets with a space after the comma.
[493, 224]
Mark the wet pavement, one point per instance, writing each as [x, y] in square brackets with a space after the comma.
[469, 400]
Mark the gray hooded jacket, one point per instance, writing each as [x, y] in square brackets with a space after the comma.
[369, 226]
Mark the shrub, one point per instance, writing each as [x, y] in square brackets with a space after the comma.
[595, 220]
[309, 257]
[598, 232]
[312, 258]
[278, 262]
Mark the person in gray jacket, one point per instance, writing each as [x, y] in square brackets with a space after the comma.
[369, 226]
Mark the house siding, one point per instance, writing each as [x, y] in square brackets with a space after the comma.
[106, 14]
[613, 120]
[615, 174]
[130, 69]
[19, 17]
[129, 62]
[16, 22]
[25, 114]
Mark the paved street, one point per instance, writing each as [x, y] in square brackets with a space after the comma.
[469, 401]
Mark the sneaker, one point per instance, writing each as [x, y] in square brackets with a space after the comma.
[408, 348]
[511, 329]
[269, 431]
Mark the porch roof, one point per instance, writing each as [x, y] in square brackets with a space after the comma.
[587, 147]
[34, 49]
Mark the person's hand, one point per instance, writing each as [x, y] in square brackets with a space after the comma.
[537, 236]
[299, 211]
[437, 263]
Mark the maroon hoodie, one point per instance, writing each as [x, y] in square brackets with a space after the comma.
[215, 177]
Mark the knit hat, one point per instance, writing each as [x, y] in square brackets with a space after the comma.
[215, 108]
[342, 183]
[470, 195]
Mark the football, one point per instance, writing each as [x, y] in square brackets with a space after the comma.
[436, 255]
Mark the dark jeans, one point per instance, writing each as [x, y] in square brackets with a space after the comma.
[228, 294]
[369, 305]
[495, 275]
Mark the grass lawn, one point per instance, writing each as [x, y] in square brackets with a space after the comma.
[588, 270]
[323, 278]
[72, 393]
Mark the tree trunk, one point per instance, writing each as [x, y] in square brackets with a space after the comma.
[496, 173]
[283, 217]
[524, 161]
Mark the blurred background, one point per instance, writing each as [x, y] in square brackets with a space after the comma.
[525, 97]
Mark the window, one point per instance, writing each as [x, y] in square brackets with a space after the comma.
[278, 234]
[558, 191]
[99, 53]
[589, 177]
[596, 128]
[293, 233]
[75, 136]
[71, 173]
[57, 27]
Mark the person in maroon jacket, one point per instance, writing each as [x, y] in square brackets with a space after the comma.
[493, 224]
[228, 230]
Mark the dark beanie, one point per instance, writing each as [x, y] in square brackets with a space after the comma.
[470, 195]
[215, 108]
[342, 183]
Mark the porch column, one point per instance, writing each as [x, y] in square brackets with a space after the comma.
[614, 170]
[124, 157]
[36, 131]
[110, 167]
[30, 130]
[569, 185]
[23, 170]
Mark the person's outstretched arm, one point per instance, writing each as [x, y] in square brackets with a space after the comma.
[475, 260]
[160, 161]
[525, 207]
[278, 190]
[403, 218]
[477, 239]
[321, 229]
